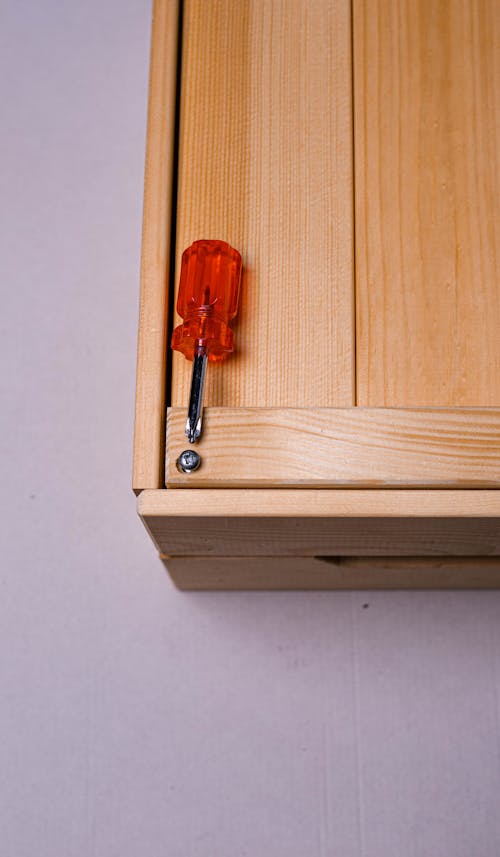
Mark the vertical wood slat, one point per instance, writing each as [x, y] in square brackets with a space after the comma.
[265, 163]
[427, 180]
[149, 437]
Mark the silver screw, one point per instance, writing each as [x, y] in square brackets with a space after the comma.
[188, 461]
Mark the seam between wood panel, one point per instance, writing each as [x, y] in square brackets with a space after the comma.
[173, 220]
[353, 166]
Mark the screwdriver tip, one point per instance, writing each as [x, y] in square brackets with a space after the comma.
[193, 430]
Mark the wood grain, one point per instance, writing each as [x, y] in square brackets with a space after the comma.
[327, 522]
[312, 572]
[335, 447]
[349, 503]
[427, 179]
[149, 439]
[265, 163]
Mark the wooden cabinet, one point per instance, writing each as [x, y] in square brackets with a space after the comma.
[350, 152]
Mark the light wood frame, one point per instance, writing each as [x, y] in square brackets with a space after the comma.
[282, 522]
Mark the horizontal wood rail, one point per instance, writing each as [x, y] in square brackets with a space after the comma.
[350, 522]
[340, 447]
[344, 572]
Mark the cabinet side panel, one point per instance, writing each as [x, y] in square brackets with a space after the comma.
[232, 536]
[323, 522]
[149, 438]
[427, 201]
[265, 163]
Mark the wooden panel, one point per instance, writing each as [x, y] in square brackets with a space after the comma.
[149, 440]
[427, 178]
[364, 447]
[312, 572]
[283, 522]
[266, 164]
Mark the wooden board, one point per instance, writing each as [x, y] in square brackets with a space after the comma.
[265, 163]
[149, 439]
[313, 572]
[364, 447]
[328, 522]
[427, 179]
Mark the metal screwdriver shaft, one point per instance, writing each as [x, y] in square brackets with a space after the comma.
[193, 423]
[208, 302]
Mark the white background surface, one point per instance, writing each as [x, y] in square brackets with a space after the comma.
[137, 721]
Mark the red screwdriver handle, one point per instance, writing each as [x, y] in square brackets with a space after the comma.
[208, 300]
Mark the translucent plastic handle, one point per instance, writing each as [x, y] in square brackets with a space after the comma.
[208, 299]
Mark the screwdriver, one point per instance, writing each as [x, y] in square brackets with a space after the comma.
[209, 288]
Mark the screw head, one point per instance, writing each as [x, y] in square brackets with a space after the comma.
[188, 461]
